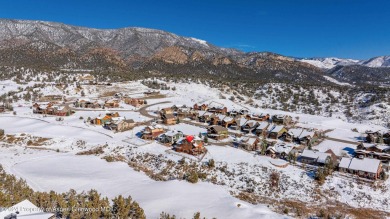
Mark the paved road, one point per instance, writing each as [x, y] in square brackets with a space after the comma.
[143, 110]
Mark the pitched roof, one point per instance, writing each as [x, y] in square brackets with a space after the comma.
[277, 128]
[251, 123]
[365, 164]
[169, 116]
[218, 128]
[221, 117]
[295, 132]
[281, 147]
[270, 128]
[227, 119]
[251, 141]
[320, 156]
[344, 163]
[306, 133]
[241, 121]
[262, 125]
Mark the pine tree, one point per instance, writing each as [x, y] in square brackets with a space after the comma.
[196, 215]
[263, 146]
[211, 163]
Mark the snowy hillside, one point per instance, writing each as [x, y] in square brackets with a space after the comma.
[328, 63]
[380, 61]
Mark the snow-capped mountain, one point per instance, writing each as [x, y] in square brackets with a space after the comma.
[380, 61]
[328, 63]
[128, 41]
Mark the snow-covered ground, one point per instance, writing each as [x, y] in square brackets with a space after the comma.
[46, 171]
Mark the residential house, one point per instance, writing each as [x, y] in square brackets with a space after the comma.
[194, 115]
[190, 145]
[169, 119]
[113, 103]
[373, 136]
[279, 150]
[105, 119]
[250, 143]
[249, 126]
[185, 113]
[308, 137]
[205, 117]
[176, 108]
[38, 109]
[52, 108]
[135, 102]
[314, 157]
[333, 156]
[227, 121]
[216, 120]
[152, 132]
[261, 129]
[240, 113]
[170, 137]
[293, 135]
[167, 110]
[217, 132]
[238, 123]
[258, 116]
[87, 103]
[233, 113]
[217, 108]
[276, 131]
[202, 107]
[366, 167]
[120, 124]
[5, 106]
[64, 110]
[42, 108]
[374, 151]
[281, 119]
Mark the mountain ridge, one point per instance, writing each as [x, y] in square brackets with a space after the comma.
[44, 44]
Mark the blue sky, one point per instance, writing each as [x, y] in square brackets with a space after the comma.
[301, 28]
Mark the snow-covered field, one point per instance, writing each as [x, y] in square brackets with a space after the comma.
[46, 171]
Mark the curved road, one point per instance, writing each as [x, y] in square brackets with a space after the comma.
[145, 113]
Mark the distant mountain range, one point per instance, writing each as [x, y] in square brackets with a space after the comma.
[328, 63]
[141, 51]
